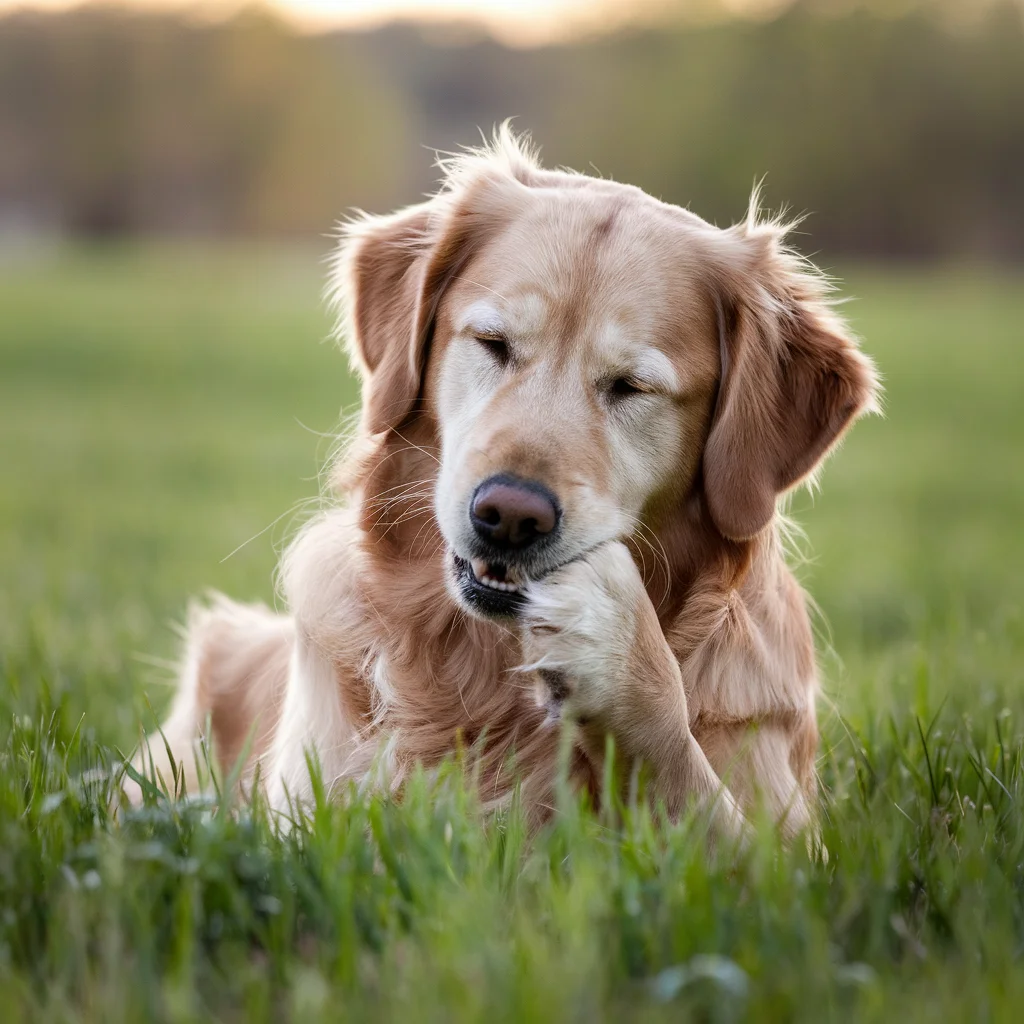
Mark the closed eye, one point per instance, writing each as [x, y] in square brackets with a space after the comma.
[625, 387]
[497, 346]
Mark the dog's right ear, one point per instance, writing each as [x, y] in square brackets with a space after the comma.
[379, 281]
[389, 276]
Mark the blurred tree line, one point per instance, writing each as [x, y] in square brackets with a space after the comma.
[900, 134]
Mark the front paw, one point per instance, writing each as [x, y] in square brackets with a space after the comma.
[579, 629]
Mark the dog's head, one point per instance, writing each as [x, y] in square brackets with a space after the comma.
[590, 360]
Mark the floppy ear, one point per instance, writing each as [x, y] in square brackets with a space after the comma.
[380, 281]
[792, 381]
[390, 274]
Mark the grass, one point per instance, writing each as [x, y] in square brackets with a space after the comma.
[159, 407]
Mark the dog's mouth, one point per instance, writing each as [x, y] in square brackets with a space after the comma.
[493, 589]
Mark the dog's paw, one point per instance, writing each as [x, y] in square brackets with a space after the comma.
[579, 630]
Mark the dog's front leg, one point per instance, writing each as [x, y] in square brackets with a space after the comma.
[592, 636]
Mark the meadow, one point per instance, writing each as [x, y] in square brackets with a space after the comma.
[164, 414]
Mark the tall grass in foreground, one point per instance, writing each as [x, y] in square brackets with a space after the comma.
[425, 908]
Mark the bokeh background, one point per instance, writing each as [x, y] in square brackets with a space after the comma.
[169, 178]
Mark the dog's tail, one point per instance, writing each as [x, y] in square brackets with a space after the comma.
[234, 676]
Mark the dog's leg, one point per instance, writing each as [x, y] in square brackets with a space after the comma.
[590, 632]
[759, 761]
[233, 674]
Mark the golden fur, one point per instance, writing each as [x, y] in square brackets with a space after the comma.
[666, 616]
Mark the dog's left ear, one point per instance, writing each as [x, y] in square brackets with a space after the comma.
[792, 379]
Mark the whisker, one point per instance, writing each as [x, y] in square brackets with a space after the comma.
[295, 508]
[485, 288]
[419, 533]
[408, 514]
[408, 448]
[398, 487]
[418, 496]
[418, 448]
[412, 513]
[645, 536]
[398, 499]
[331, 434]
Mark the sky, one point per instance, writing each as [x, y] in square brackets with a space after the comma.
[517, 21]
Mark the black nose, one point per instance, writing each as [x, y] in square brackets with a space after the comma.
[512, 513]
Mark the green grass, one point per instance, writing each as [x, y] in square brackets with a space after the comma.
[159, 407]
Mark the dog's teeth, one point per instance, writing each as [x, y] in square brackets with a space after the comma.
[511, 584]
[490, 581]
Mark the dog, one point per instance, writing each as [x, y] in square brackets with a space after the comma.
[558, 520]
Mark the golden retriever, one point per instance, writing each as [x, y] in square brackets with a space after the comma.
[581, 406]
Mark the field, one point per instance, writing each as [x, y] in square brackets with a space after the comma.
[163, 416]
